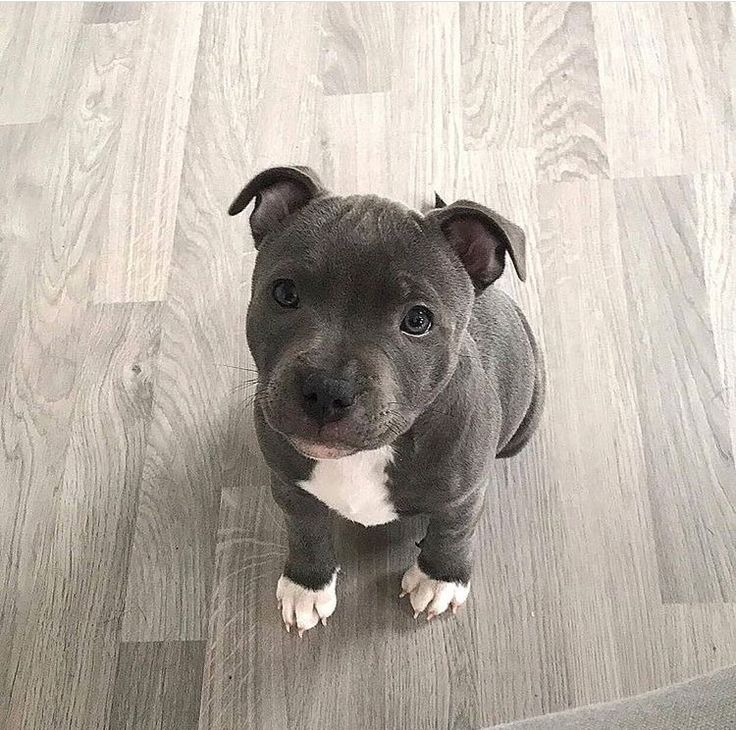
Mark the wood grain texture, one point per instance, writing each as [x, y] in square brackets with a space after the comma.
[139, 543]
[26, 149]
[716, 228]
[426, 132]
[157, 686]
[35, 410]
[603, 506]
[111, 12]
[666, 73]
[495, 102]
[85, 549]
[564, 91]
[692, 481]
[147, 171]
[696, 639]
[56, 188]
[357, 48]
[288, 90]
[353, 130]
[37, 41]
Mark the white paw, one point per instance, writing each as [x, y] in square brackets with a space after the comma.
[304, 608]
[434, 595]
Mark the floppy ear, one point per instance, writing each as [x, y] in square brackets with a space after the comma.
[279, 192]
[481, 238]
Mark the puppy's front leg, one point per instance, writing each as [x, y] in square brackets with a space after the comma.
[440, 577]
[306, 589]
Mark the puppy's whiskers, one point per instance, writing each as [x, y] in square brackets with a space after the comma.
[254, 398]
[235, 367]
[244, 385]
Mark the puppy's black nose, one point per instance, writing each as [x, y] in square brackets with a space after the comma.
[326, 398]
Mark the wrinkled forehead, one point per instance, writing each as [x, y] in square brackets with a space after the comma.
[374, 248]
[359, 226]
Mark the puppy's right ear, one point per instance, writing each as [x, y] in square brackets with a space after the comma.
[279, 192]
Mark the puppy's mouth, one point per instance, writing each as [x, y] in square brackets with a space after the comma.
[319, 451]
[329, 441]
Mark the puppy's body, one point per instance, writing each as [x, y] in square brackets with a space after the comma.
[411, 419]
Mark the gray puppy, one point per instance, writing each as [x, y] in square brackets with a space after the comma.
[390, 375]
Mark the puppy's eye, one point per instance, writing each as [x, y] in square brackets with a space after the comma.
[284, 292]
[418, 322]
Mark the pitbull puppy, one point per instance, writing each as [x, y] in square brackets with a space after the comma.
[390, 375]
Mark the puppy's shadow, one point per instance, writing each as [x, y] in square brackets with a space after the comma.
[359, 542]
[373, 560]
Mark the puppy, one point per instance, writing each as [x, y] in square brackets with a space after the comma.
[390, 375]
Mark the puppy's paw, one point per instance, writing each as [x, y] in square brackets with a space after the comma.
[433, 595]
[304, 608]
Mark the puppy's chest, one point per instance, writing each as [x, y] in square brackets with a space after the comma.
[355, 486]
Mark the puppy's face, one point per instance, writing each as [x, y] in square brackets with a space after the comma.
[358, 311]
[355, 323]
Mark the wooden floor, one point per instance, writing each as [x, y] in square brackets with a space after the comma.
[139, 545]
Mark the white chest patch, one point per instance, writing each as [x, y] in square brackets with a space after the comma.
[355, 486]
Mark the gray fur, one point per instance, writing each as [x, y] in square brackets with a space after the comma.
[469, 391]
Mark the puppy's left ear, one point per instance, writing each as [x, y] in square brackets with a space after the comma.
[279, 192]
[481, 238]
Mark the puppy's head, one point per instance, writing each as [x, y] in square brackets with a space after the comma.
[359, 306]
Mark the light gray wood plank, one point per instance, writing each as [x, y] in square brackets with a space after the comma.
[37, 41]
[358, 46]
[667, 81]
[148, 167]
[609, 579]
[188, 450]
[566, 111]
[716, 229]
[66, 667]
[495, 100]
[354, 129]
[111, 12]
[24, 211]
[57, 191]
[34, 410]
[426, 123]
[696, 639]
[284, 128]
[683, 409]
[157, 686]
